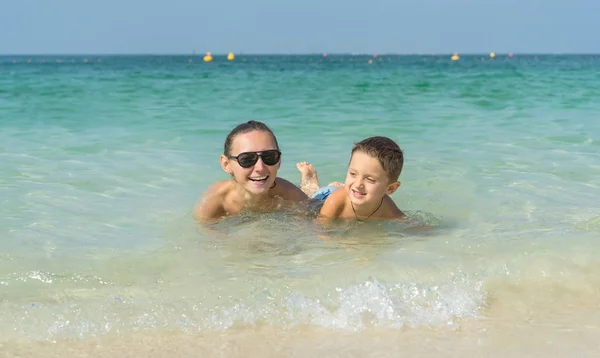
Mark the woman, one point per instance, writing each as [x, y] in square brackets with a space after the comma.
[252, 157]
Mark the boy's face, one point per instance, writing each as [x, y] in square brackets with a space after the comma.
[366, 180]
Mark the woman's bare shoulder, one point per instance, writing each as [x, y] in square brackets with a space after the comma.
[212, 202]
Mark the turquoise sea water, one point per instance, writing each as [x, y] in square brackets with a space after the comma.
[102, 159]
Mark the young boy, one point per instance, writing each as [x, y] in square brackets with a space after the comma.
[373, 172]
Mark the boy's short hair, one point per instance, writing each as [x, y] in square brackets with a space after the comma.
[388, 153]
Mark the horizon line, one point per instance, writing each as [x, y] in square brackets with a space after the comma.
[300, 54]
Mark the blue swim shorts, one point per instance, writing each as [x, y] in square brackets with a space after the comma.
[323, 192]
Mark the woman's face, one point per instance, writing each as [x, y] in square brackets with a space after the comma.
[253, 162]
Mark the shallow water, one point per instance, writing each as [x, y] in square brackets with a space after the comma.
[101, 163]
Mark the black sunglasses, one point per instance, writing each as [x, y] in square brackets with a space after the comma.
[248, 159]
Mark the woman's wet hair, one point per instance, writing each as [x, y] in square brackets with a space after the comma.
[246, 128]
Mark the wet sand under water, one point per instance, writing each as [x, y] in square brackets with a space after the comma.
[501, 332]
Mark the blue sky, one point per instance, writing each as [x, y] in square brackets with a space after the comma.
[289, 26]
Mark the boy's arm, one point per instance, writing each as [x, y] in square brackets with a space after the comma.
[332, 207]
